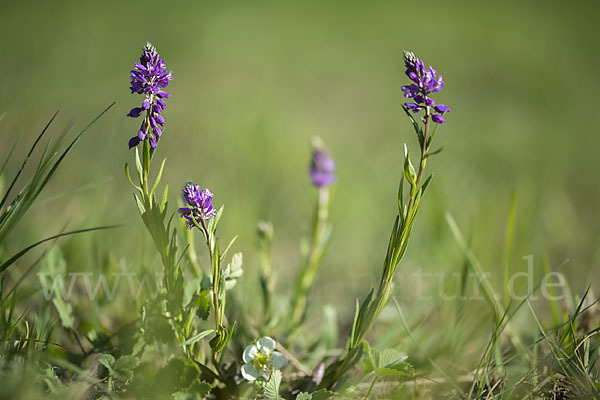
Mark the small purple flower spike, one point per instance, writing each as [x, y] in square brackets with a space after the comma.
[322, 168]
[199, 203]
[148, 78]
[426, 81]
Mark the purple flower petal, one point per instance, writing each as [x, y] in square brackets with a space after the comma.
[437, 118]
[441, 108]
[413, 107]
[135, 112]
[322, 168]
[134, 141]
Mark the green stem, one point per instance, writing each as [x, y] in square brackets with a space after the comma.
[371, 387]
[308, 273]
[210, 243]
[372, 307]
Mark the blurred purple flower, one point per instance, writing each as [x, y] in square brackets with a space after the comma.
[200, 205]
[322, 168]
[148, 78]
[426, 81]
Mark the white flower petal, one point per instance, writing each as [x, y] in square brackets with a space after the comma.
[266, 344]
[278, 360]
[250, 373]
[250, 353]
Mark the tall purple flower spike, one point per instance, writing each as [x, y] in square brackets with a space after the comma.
[426, 82]
[199, 203]
[149, 77]
[322, 168]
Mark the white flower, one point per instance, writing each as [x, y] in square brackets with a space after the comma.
[260, 359]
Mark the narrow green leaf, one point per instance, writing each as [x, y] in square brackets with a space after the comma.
[138, 163]
[198, 337]
[416, 125]
[426, 184]
[15, 257]
[231, 242]
[129, 178]
[31, 149]
[158, 176]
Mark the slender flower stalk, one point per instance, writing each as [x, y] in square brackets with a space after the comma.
[201, 214]
[266, 276]
[425, 83]
[149, 78]
[322, 174]
[199, 211]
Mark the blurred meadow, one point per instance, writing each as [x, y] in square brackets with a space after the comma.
[254, 81]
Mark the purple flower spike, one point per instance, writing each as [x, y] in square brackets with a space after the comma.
[426, 81]
[322, 168]
[148, 78]
[199, 204]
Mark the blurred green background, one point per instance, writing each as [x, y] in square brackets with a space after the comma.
[253, 81]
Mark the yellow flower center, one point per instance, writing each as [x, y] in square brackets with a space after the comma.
[262, 362]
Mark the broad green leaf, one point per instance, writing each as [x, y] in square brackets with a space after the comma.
[107, 360]
[389, 362]
[197, 391]
[54, 264]
[65, 311]
[304, 396]
[202, 302]
[272, 386]
[124, 366]
[179, 373]
[233, 271]
[322, 394]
